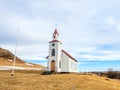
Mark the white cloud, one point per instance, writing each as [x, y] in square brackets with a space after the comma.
[110, 21]
[83, 25]
[118, 26]
[102, 57]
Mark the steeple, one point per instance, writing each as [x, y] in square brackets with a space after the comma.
[55, 50]
[55, 35]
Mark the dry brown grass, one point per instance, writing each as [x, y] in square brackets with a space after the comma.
[32, 80]
[6, 59]
[6, 62]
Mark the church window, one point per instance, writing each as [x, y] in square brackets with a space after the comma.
[72, 65]
[53, 44]
[53, 52]
[59, 64]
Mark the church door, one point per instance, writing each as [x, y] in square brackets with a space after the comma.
[52, 65]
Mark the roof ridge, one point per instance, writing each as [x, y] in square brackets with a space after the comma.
[55, 41]
[69, 55]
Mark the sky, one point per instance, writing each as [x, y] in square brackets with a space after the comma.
[88, 29]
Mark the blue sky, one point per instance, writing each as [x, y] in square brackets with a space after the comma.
[89, 29]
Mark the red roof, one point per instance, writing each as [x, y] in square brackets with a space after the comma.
[69, 55]
[55, 41]
[55, 32]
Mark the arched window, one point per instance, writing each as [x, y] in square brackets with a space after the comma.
[53, 52]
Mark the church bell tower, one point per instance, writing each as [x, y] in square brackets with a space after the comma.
[54, 58]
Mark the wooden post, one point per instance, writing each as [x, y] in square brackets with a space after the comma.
[13, 68]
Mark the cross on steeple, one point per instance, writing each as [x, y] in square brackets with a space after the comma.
[55, 34]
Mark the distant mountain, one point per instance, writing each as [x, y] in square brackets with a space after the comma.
[6, 59]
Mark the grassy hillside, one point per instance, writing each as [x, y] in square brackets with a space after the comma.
[6, 59]
[32, 80]
[6, 54]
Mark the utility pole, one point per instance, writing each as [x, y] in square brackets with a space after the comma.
[14, 60]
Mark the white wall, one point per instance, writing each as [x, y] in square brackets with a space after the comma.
[58, 55]
[65, 63]
[73, 66]
[68, 65]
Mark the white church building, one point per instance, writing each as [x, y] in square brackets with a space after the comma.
[58, 59]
